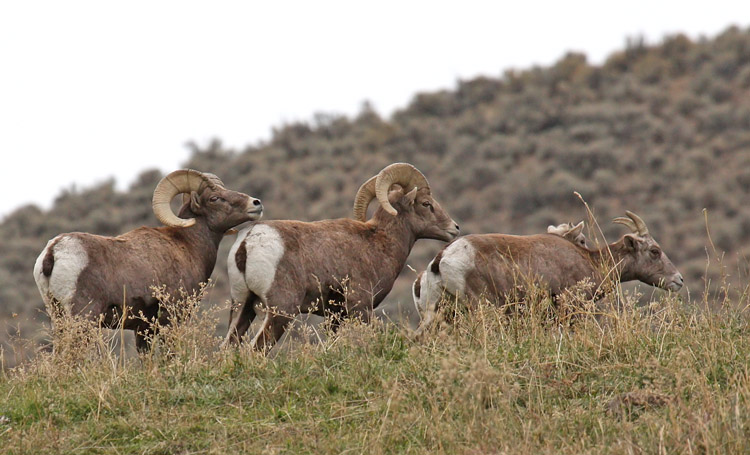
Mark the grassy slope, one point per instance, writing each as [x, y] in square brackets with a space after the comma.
[662, 130]
[671, 375]
[488, 383]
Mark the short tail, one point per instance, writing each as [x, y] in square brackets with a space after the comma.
[48, 263]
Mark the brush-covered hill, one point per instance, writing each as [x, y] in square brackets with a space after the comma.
[662, 130]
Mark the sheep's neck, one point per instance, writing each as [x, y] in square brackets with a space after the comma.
[201, 240]
[399, 238]
[200, 230]
[613, 252]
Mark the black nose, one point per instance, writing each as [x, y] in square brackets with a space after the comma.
[457, 228]
[256, 202]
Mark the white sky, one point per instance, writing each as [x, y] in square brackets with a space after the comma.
[93, 89]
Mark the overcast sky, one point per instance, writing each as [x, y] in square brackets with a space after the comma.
[91, 89]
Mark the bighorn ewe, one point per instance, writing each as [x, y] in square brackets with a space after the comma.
[86, 274]
[340, 266]
[488, 265]
[570, 232]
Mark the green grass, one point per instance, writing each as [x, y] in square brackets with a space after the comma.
[669, 377]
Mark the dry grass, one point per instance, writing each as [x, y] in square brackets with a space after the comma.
[537, 376]
[664, 377]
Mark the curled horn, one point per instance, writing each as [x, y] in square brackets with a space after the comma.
[365, 194]
[211, 180]
[405, 175]
[182, 181]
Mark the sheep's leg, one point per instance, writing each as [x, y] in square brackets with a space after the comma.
[427, 320]
[273, 327]
[335, 315]
[56, 313]
[280, 306]
[431, 300]
[239, 325]
[145, 327]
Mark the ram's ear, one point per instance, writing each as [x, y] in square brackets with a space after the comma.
[411, 196]
[195, 202]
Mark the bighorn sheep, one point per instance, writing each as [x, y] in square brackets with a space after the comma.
[341, 266]
[568, 231]
[574, 233]
[487, 265]
[85, 274]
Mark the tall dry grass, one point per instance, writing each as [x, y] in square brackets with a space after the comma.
[665, 377]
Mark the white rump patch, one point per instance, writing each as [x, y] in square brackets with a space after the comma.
[458, 260]
[70, 260]
[264, 248]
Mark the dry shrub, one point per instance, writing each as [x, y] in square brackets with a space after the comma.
[354, 334]
[625, 378]
[76, 340]
[185, 335]
[74, 343]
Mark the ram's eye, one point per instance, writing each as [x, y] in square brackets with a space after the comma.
[426, 204]
[214, 198]
[655, 252]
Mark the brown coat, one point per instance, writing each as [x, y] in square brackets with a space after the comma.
[340, 266]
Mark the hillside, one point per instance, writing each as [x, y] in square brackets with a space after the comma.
[669, 376]
[662, 130]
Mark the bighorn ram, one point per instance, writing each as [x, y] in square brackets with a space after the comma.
[487, 265]
[340, 266]
[86, 274]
